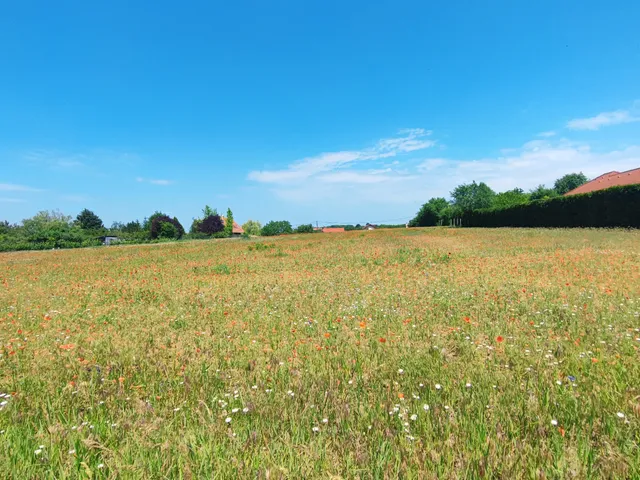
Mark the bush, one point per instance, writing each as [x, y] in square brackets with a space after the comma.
[159, 231]
[308, 228]
[252, 227]
[613, 207]
[273, 228]
[211, 225]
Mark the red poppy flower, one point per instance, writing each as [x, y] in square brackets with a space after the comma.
[499, 339]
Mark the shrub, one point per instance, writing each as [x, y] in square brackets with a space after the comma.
[252, 227]
[308, 228]
[211, 225]
[158, 231]
[273, 228]
[612, 207]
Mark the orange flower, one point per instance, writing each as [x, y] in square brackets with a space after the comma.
[467, 319]
[363, 324]
[327, 335]
[383, 340]
[68, 346]
[401, 396]
[499, 339]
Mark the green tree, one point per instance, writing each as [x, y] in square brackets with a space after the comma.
[431, 213]
[272, 228]
[207, 211]
[307, 228]
[568, 182]
[167, 230]
[473, 196]
[228, 225]
[542, 193]
[252, 227]
[87, 220]
[132, 227]
[510, 198]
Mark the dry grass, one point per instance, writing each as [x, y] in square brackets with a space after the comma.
[323, 351]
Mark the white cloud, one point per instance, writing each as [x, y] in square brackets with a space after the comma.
[410, 140]
[90, 159]
[548, 134]
[431, 164]
[11, 200]
[602, 120]
[12, 187]
[538, 161]
[154, 181]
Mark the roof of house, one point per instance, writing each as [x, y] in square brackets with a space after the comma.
[236, 228]
[609, 179]
[332, 230]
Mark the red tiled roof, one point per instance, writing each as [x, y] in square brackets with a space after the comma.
[236, 228]
[610, 179]
[332, 230]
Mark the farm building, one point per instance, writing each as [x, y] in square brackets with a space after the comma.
[610, 179]
[370, 226]
[109, 239]
[237, 229]
[332, 230]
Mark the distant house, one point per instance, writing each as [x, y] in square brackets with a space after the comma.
[237, 229]
[370, 226]
[607, 180]
[332, 230]
[108, 239]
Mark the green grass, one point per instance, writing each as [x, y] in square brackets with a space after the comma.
[323, 351]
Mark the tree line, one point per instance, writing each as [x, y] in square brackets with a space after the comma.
[53, 229]
[474, 196]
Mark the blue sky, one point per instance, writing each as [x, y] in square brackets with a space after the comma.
[307, 111]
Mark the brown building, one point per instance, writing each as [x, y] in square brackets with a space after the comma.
[611, 179]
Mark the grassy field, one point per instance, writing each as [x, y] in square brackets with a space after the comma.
[422, 353]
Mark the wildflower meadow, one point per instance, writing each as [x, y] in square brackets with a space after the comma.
[411, 353]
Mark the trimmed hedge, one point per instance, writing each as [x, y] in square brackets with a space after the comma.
[612, 207]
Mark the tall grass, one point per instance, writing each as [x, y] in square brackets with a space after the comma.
[422, 353]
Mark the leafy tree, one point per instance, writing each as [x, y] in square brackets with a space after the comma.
[517, 196]
[568, 182]
[6, 227]
[276, 228]
[542, 193]
[308, 228]
[87, 220]
[473, 196]
[228, 225]
[132, 227]
[146, 225]
[211, 225]
[430, 213]
[117, 226]
[167, 230]
[252, 227]
[157, 229]
[207, 211]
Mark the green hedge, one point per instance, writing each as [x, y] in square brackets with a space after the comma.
[612, 207]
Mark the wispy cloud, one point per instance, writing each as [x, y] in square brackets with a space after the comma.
[548, 134]
[409, 140]
[154, 181]
[12, 200]
[83, 160]
[602, 120]
[12, 187]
